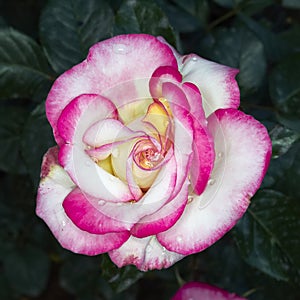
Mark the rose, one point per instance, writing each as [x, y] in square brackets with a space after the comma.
[154, 161]
[203, 291]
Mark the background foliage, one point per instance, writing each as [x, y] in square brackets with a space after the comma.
[260, 257]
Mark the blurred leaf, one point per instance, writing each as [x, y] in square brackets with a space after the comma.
[291, 3]
[238, 48]
[36, 139]
[291, 38]
[282, 139]
[268, 235]
[12, 120]
[180, 19]
[274, 45]
[24, 70]
[72, 272]
[6, 291]
[27, 270]
[143, 17]
[284, 85]
[120, 279]
[247, 6]
[196, 8]
[69, 28]
[279, 167]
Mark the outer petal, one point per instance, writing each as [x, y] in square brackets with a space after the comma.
[203, 291]
[146, 254]
[216, 82]
[54, 187]
[164, 218]
[87, 217]
[243, 150]
[98, 74]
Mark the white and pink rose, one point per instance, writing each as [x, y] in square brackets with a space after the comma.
[153, 161]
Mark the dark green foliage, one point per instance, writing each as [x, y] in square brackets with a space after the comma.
[260, 258]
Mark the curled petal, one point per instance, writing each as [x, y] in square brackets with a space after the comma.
[80, 114]
[146, 254]
[243, 150]
[164, 218]
[87, 217]
[216, 82]
[91, 178]
[54, 187]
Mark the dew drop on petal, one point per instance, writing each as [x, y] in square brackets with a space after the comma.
[163, 251]
[190, 199]
[194, 58]
[211, 181]
[101, 202]
[179, 239]
[88, 163]
[148, 249]
[121, 49]
[63, 224]
[220, 154]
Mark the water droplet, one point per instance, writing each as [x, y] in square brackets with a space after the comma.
[220, 154]
[148, 248]
[211, 181]
[190, 199]
[121, 49]
[88, 163]
[115, 152]
[101, 202]
[63, 223]
[194, 58]
[179, 239]
[163, 251]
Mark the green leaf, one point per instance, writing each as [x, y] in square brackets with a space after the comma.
[295, 4]
[143, 17]
[12, 120]
[282, 139]
[24, 70]
[120, 279]
[27, 270]
[284, 85]
[69, 28]
[270, 40]
[36, 139]
[268, 235]
[238, 48]
[180, 19]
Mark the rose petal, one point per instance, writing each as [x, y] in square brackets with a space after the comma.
[91, 178]
[164, 218]
[161, 75]
[243, 150]
[54, 187]
[146, 254]
[80, 114]
[203, 291]
[98, 74]
[87, 217]
[216, 82]
[109, 131]
[156, 197]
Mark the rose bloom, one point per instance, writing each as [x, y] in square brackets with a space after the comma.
[153, 160]
[203, 291]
